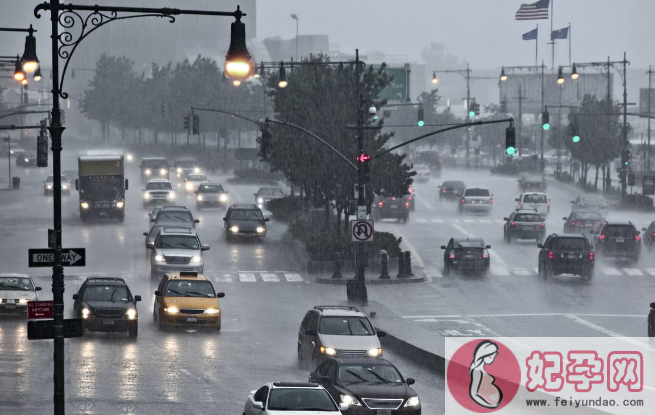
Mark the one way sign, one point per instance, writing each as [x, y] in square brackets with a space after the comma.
[70, 257]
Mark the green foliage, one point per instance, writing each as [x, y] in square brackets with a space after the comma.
[322, 247]
[256, 174]
[286, 209]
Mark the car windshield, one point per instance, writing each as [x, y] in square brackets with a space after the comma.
[270, 192]
[535, 199]
[420, 167]
[596, 200]
[571, 244]
[52, 179]
[176, 216]
[297, 399]
[197, 178]
[526, 217]
[476, 192]
[159, 186]
[587, 216]
[469, 244]
[114, 293]
[534, 179]
[210, 188]
[246, 214]
[346, 326]
[185, 164]
[621, 231]
[189, 288]
[178, 242]
[369, 373]
[150, 164]
[15, 283]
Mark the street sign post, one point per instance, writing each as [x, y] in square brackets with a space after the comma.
[361, 212]
[648, 186]
[361, 230]
[40, 310]
[70, 257]
[44, 329]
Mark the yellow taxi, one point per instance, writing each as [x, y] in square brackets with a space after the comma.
[187, 299]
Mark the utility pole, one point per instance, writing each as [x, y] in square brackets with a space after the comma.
[362, 295]
[468, 119]
[626, 144]
[520, 137]
[543, 103]
[650, 84]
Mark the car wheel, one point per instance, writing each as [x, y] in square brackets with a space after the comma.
[509, 238]
[121, 217]
[133, 332]
[314, 361]
[588, 275]
[651, 330]
[446, 270]
[84, 217]
[542, 272]
[217, 328]
[301, 361]
[154, 316]
[160, 325]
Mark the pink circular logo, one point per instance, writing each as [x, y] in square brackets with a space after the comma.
[483, 376]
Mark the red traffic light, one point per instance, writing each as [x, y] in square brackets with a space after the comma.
[363, 158]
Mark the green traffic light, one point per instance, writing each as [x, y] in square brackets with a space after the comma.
[546, 127]
[510, 151]
[421, 123]
[576, 138]
[471, 114]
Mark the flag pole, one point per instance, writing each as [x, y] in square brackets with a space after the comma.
[536, 46]
[552, 41]
[569, 44]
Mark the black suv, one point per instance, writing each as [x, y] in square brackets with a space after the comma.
[391, 207]
[106, 305]
[532, 183]
[451, 190]
[566, 254]
[154, 168]
[619, 240]
[524, 224]
[369, 386]
[466, 254]
[244, 220]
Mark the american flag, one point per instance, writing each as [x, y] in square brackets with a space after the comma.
[534, 11]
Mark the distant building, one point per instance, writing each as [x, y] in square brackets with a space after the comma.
[285, 49]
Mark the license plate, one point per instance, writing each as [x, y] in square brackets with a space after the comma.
[620, 240]
[589, 225]
[572, 256]
[192, 319]
[10, 305]
[108, 322]
[384, 413]
[394, 206]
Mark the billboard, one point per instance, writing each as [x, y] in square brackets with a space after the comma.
[397, 89]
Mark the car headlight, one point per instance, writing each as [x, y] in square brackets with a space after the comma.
[196, 259]
[223, 197]
[413, 401]
[179, 170]
[330, 351]
[350, 400]
[189, 186]
[260, 200]
[0, 300]
[162, 172]
[170, 196]
[196, 169]
[48, 186]
[199, 198]
[234, 229]
[160, 258]
[23, 301]
[172, 310]
[261, 229]
[64, 186]
[84, 205]
[148, 172]
[120, 204]
[212, 311]
[85, 312]
[129, 157]
[131, 313]
[26, 160]
[374, 352]
[146, 195]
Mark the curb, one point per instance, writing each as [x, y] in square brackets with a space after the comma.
[391, 281]
[417, 355]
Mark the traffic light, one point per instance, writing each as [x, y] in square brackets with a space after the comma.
[363, 160]
[186, 123]
[196, 124]
[625, 157]
[421, 116]
[265, 140]
[474, 109]
[575, 135]
[632, 179]
[42, 146]
[510, 141]
[545, 120]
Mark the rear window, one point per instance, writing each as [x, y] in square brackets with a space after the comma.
[477, 192]
[535, 199]
[534, 179]
[453, 184]
[624, 231]
[420, 167]
[593, 199]
[587, 216]
[571, 244]
[526, 217]
[469, 244]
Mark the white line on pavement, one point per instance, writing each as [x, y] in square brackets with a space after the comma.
[634, 272]
[608, 332]
[462, 230]
[421, 220]
[293, 277]
[425, 204]
[611, 271]
[410, 247]
[247, 278]
[270, 278]
[526, 315]
[484, 221]
[436, 220]
[650, 271]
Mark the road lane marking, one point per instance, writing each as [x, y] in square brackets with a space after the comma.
[269, 277]
[536, 270]
[469, 220]
[247, 278]
[462, 230]
[293, 277]
[410, 247]
[633, 272]
[455, 316]
[425, 204]
[223, 278]
[608, 332]
[650, 271]
[521, 271]
[421, 220]
[436, 220]
[484, 221]
[499, 221]
[611, 271]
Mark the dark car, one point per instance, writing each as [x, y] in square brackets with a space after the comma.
[532, 183]
[590, 203]
[411, 198]
[649, 235]
[28, 158]
[466, 254]
[176, 216]
[184, 168]
[211, 195]
[451, 190]
[583, 222]
[619, 240]
[566, 254]
[370, 386]
[244, 220]
[105, 304]
[524, 224]
[154, 168]
[266, 194]
[432, 159]
[651, 321]
[391, 207]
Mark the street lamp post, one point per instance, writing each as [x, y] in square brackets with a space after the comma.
[650, 86]
[295, 17]
[64, 44]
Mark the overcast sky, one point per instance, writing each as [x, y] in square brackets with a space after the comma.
[482, 32]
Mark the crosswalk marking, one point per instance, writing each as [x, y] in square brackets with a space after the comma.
[270, 277]
[611, 271]
[521, 271]
[499, 221]
[484, 221]
[650, 271]
[634, 272]
[421, 220]
[247, 278]
[293, 277]
[469, 221]
[436, 220]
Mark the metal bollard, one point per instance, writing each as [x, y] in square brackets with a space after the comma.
[337, 266]
[408, 264]
[401, 266]
[384, 261]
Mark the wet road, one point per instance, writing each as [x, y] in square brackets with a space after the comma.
[267, 294]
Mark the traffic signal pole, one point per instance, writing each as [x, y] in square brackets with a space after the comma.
[360, 295]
